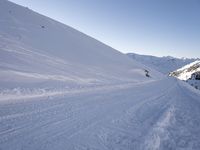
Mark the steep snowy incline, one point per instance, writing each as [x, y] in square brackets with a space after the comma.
[146, 116]
[164, 65]
[38, 52]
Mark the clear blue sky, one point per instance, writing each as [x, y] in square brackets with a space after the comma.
[155, 27]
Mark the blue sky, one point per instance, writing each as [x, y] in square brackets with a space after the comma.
[154, 27]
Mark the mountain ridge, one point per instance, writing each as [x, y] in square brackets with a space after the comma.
[165, 64]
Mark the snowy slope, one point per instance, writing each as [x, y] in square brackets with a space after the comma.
[60, 89]
[164, 65]
[186, 71]
[38, 52]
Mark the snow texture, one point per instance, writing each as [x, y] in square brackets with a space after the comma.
[61, 89]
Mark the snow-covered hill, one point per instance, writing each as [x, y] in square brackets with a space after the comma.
[185, 73]
[38, 52]
[61, 89]
[164, 65]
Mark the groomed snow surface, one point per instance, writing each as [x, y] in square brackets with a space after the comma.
[161, 114]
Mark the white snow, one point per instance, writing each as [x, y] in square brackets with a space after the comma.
[61, 89]
[185, 74]
[57, 54]
[188, 65]
[160, 117]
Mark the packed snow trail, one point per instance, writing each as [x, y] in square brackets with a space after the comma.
[178, 127]
[146, 116]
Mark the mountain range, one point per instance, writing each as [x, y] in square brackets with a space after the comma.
[164, 65]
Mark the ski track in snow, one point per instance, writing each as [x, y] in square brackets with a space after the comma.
[178, 127]
[104, 119]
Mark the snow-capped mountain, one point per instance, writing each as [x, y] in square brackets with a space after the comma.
[164, 65]
[189, 73]
[61, 89]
